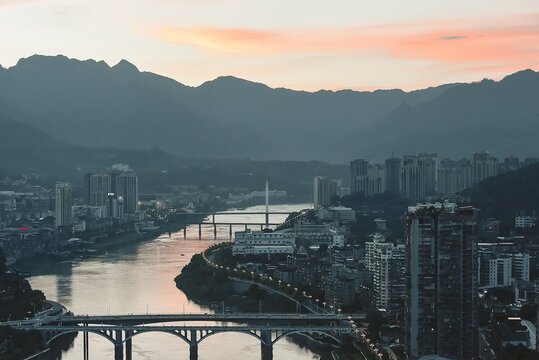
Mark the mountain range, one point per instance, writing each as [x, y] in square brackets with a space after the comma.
[51, 103]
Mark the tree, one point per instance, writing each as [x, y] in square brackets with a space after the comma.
[375, 320]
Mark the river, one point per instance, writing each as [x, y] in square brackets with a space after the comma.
[139, 279]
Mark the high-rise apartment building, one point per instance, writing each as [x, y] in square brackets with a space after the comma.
[324, 191]
[386, 264]
[366, 178]
[413, 181]
[393, 175]
[127, 190]
[371, 247]
[359, 169]
[377, 180]
[429, 162]
[99, 186]
[441, 264]
[484, 165]
[448, 177]
[454, 176]
[520, 266]
[464, 174]
[419, 176]
[64, 202]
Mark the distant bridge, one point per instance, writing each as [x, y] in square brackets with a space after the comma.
[120, 329]
[213, 213]
[214, 223]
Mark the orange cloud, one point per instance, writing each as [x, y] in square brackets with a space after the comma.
[458, 41]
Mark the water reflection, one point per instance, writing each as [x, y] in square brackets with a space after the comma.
[139, 278]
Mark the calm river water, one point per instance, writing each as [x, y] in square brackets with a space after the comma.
[139, 279]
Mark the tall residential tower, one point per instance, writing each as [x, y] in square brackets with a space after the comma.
[64, 202]
[441, 272]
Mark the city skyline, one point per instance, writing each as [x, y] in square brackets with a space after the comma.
[300, 46]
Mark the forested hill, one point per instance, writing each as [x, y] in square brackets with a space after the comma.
[503, 195]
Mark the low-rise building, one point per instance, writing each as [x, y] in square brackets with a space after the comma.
[259, 242]
[524, 221]
[337, 213]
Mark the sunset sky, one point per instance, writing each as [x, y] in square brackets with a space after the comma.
[298, 44]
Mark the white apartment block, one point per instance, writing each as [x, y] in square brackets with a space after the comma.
[258, 242]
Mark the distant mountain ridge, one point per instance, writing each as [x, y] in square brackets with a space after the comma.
[90, 104]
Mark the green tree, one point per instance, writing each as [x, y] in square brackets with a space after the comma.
[375, 320]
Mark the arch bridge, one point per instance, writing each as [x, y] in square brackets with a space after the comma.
[120, 330]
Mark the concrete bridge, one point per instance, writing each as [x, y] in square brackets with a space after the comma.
[121, 329]
[214, 223]
[229, 225]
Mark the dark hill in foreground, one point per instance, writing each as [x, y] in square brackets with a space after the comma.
[503, 195]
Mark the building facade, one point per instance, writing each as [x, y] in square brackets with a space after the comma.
[484, 165]
[441, 272]
[258, 242]
[358, 172]
[393, 175]
[64, 202]
[99, 186]
[324, 191]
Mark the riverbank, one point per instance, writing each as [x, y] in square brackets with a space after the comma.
[215, 289]
[102, 285]
[100, 246]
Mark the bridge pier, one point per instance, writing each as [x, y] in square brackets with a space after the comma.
[193, 345]
[85, 350]
[193, 351]
[266, 346]
[215, 231]
[128, 346]
[185, 232]
[230, 231]
[118, 345]
[245, 227]
[199, 231]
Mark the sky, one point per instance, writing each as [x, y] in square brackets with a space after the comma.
[299, 44]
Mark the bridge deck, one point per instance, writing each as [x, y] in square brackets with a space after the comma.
[164, 318]
[239, 224]
[216, 328]
[238, 213]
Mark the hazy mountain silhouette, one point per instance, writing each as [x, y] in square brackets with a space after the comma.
[499, 116]
[24, 149]
[90, 104]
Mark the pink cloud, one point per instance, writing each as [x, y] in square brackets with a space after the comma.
[506, 40]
